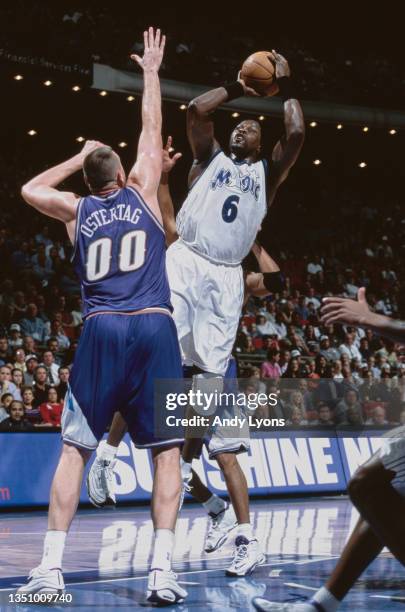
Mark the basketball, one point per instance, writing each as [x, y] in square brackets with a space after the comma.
[258, 72]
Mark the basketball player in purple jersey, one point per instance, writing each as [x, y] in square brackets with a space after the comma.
[129, 338]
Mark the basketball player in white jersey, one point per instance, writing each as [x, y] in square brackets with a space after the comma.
[229, 195]
[377, 489]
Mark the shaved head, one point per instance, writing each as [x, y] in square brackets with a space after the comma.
[101, 167]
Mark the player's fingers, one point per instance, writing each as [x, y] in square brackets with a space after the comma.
[169, 143]
[137, 59]
[361, 294]
[333, 300]
[163, 43]
[176, 156]
[151, 37]
[157, 38]
[145, 40]
[330, 308]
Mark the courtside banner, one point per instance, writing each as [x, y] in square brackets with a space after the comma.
[278, 462]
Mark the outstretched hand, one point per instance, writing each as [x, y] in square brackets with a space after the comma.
[344, 310]
[169, 162]
[249, 91]
[281, 64]
[153, 51]
[90, 146]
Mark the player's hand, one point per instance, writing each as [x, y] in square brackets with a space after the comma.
[249, 91]
[153, 52]
[282, 66]
[168, 162]
[344, 310]
[89, 146]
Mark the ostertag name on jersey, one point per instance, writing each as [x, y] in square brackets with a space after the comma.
[100, 218]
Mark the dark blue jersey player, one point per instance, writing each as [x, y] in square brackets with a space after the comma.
[129, 338]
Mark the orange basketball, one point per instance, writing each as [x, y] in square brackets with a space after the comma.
[258, 72]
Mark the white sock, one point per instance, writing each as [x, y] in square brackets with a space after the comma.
[214, 505]
[108, 452]
[325, 598]
[185, 469]
[245, 529]
[163, 549]
[54, 546]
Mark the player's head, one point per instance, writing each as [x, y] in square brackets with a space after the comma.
[103, 168]
[246, 139]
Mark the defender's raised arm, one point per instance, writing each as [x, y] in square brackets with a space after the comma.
[145, 175]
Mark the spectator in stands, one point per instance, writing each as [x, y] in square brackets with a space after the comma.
[5, 402]
[321, 366]
[31, 411]
[349, 348]
[7, 385]
[293, 369]
[296, 419]
[270, 368]
[19, 359]
[15, 339]
[51, 410]
[253, 376]
[402, 418]
[285, 357]
[5, 351]
[48, 361]
[17, 377]
[349, 401]
[326, 350]
[377, 417]
[364, 349]
[29, 345]
[324, 415]
[315, 266]
[265, 327]
[16, 421]
[312, 298]
[279, 325]
[32, 325]
[20, 305]
[353, 417]
[59, 334]
[40, 385]
[77, 317]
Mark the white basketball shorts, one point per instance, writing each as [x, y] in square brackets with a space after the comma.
[207, 299]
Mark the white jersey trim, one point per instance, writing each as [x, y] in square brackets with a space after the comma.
[147, 208]
[77, 228]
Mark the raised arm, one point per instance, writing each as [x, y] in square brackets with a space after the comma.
[268, 280]
[288, 148]
[358, 314]
[164, 197]
[41, 193]
[200, 124]
[145, 174]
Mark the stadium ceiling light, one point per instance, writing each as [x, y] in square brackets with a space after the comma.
[339, 126]
[80, 139]
[76, 88]
[18, 77]
[32, 133]
[235, 114]
[47, 83]
[182, 107]
[261, 118]
[130, 98]
[103, 93]
[362, 164]
[317, 162]
[122, 144]
[393, 131]
[313, 124]
[365, 129]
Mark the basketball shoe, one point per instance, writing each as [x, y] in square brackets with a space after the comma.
[246, 558]
[220, 526]
[100, 483]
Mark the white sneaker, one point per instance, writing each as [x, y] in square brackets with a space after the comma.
[100, 483]
[163, 588]
[264, 605]
[43, 581]
[246, 558]
[220, 526]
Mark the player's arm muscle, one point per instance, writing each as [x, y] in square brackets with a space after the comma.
[200, 125]
[167, 210]
[255, 281]
[145, 174]
[288, 148]
[41, 193]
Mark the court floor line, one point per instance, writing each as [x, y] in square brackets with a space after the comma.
[179, 573]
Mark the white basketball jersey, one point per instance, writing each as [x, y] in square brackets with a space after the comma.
[224, 209]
